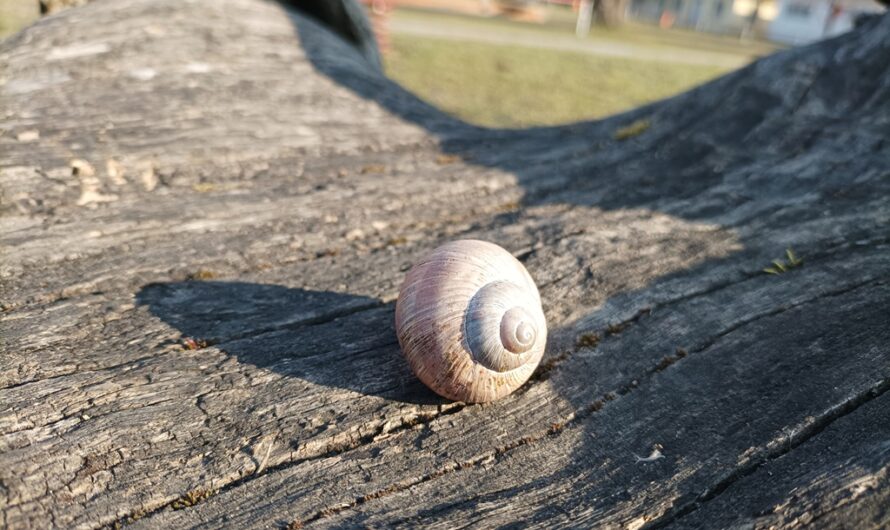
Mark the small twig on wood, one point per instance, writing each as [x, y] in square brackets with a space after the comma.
[265, 460]
[653, 456]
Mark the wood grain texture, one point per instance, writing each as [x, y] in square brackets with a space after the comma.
[207, 211]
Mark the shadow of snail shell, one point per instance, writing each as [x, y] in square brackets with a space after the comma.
[469, 321]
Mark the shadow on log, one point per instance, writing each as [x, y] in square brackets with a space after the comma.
[299, 328]
[208, 208]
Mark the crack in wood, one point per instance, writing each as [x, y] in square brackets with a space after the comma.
[811, 430]
[381, 431]
[556, 427]
[798, 438]
[549, 365]
[132, 362]
[840, 506]
[586, 411]
[324, 318]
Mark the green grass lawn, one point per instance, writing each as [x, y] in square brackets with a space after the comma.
[561, 21]
[514, 86]
[16, 14]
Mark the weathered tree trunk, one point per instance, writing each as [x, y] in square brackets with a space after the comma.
[208, 207]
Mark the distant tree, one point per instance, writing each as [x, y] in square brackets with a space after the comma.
[610, 13]
[751, 22]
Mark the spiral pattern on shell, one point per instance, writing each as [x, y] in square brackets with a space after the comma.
[469, 321]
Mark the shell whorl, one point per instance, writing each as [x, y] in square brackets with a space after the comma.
[469, 321]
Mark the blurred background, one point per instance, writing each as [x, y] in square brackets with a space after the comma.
[522, 63]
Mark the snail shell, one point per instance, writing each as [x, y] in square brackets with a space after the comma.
[469, 321]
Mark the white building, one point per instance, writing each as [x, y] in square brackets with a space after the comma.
[789, 21]
[802, 21]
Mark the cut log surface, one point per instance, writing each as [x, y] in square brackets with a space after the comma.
[208, 208]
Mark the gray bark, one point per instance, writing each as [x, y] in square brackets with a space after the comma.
[207, 208]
